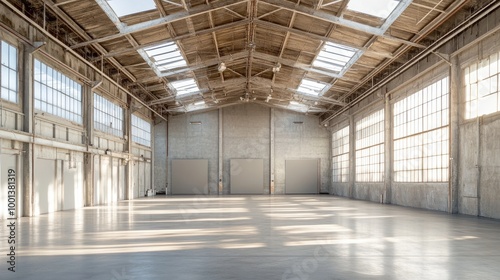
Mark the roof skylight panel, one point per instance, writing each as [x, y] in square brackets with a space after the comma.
[311, 87]
[166, 56]
[334, 57]
[294, 105]
[377, 8]
[184, 87]
[129, 7]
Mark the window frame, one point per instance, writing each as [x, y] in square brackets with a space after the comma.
[63, 89]
[421, 133]
[138, 138]
[370, 169]
[8, 68]
[103, 112]
[471, 87]
[339, 158]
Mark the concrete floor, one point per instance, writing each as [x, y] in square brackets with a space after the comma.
[253, 237]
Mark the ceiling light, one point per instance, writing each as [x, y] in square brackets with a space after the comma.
[199, 103]
[277, 68]
[222, 67]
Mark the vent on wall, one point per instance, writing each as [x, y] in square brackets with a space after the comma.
[195, 122]
[298, 122]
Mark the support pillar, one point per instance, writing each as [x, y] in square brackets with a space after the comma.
[352, 156]
[388, 151]
[454, 106]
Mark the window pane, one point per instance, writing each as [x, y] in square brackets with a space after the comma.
[8, 72]
[141, 131]
[55, 89]
[417, 140]
[369, 148]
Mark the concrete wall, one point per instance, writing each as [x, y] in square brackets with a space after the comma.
[474, 187]
[308, 140]
[246, 131]
[160, 166]
[479, 179]
[195, 141]
[246, 134]
[478, 162]
[62, 164]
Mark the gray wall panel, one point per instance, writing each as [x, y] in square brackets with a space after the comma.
[189, 176]
[247, 176]
[302, 176]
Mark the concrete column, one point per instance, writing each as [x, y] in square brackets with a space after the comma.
[330, 161]
[152, 163]
[88, 121]
[221, 154]
[160, 152]
[28, 157]
[352, 155]
[129, 168]
[388, 151]
[271, 153]
[455, 82]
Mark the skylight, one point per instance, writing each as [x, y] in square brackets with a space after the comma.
[186, 86]
[377, 8]
[196, 106]
[294, 105]
[166, 56]
[311, 87]
[129, 7]
[334, 57]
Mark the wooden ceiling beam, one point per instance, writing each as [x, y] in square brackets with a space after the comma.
[321, 15]
[197, 10]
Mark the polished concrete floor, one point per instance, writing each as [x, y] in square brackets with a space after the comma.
[253, 237]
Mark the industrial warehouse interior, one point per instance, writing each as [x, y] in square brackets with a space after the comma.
[249, 139]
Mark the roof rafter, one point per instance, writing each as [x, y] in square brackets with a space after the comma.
[321, 38]
[180, 37]
[318, 14]
[198, 10]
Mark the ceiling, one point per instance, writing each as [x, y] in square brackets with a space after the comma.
[310, 56]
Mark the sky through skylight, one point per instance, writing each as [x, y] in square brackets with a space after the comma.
[377, 8]
[129, 7]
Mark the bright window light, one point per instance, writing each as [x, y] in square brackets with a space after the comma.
[377, 8]
[129, 7]
[166, 56]
[8, 72]
[481, 87]
[340, 155]
[141, 131]
[108, 116]
[421, 134]
[334, 57]
[370, 148]
[183, 87]
[56, 93]
[311, 87]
